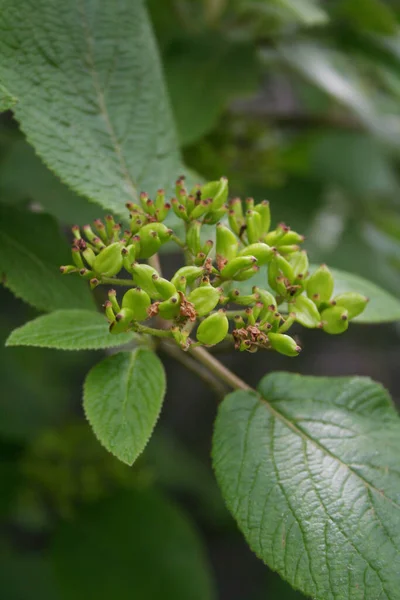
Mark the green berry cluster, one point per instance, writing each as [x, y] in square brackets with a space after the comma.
[202, 294]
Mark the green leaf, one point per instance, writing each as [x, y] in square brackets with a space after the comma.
[123, 396]
[22, 572]
[6, 100]
[31, 252]
[336, 75]
[369, 15]
[91, 95]
[218, 70]
[68, 330]
[309, 469]
[354, 161]
[23, 176]
[382, 306]
[136, 546]
[304, 11]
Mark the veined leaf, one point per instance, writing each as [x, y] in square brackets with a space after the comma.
[7, 101]
[91, 96]
[68, 330]
[24, 177]
[136, 545]
[309, 468]
[123, 396]
[31, 252]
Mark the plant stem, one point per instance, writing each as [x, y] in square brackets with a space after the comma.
[115, 281]
[163, 333]
[218, 369]
[154, 261]
[230, 314]
[191, 364]
[175, 239]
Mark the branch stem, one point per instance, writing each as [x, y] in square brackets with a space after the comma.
[171, 349]
[218, 369]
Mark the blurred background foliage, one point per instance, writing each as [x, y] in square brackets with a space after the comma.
[296, 101]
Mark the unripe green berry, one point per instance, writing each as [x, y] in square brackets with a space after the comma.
[122, 321]
[150, 242]
[169, 309]
[204, 299]
[227, 242]
[138, 301]
[265, 213]
[320, 285]
[213, 329]
[236, 265]
[253, 226]
[299, 263]
[190, 272]
[247, 273]
[165, 288]
[261, 251]
[335, 320]
[306, 312]
[354, 303]
[193, 240]
[284, 344]
[217, 191]
[109, 262]
[142, 276]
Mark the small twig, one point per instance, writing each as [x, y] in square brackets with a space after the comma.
[175, 239]
[192, 365]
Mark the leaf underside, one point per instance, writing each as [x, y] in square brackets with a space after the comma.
[309, 469]
[91, 95]
[123, 396]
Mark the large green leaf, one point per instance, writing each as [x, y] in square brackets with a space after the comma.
[24, 177]
[135, 546]
[309, 468]
[369, 15]
[68, 330]
[123, 396]
[31, 252]
[382, 306]
[203, 75]
[6, 100]
[91, 96]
